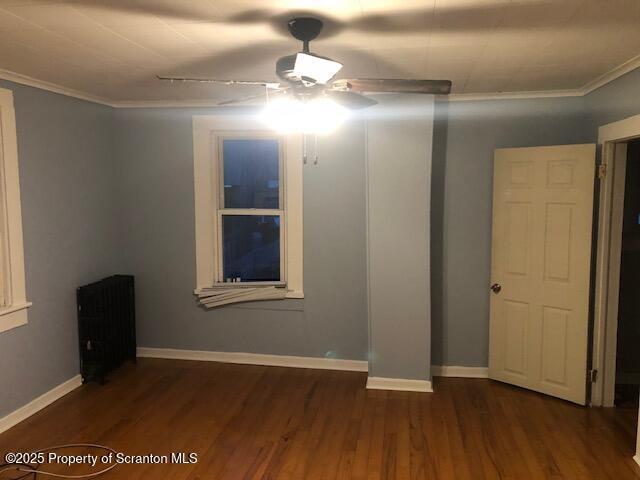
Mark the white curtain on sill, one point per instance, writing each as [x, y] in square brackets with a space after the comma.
[217, 296]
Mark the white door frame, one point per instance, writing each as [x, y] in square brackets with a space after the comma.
[613, 139]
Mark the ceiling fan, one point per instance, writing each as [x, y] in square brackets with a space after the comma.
[308, 76]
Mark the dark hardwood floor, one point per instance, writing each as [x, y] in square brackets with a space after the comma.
[248, 422]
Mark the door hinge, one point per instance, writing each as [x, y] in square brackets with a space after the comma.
[602, 171]
[592, 376]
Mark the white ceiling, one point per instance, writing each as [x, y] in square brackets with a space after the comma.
[112, 49]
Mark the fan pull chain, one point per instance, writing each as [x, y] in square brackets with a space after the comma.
[315, 150]
[304, 149]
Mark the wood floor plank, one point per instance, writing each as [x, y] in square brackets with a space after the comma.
[253, 422]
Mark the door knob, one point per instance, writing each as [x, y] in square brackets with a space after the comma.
[496, 287]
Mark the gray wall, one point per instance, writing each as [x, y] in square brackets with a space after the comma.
[462, 191]
[156, 194]
[614, 101]
[399, 188]
[68, 216]
[466, 133]
[155, 166]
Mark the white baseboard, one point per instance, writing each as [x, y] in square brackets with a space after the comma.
[320, 363]
[401, 384]
[636, 457]
[39, 403]
[461, 372]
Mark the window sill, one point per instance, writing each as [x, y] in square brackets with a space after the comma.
[13, 316]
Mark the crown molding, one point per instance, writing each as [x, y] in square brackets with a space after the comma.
[593, 85]
[166, 104]
[474, 97]
[612, 75]
[52, 87]
[455, 97]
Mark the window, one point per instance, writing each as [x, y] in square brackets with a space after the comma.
[251, 248]
[250, 220]
[13, 303]
[248, 198]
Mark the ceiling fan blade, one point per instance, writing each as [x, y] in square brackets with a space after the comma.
[185, 11]
[242, 99]
[393, 85]
[271, 85]
[265, 96]
[351, 100]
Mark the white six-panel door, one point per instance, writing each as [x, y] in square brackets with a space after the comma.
[541, 255]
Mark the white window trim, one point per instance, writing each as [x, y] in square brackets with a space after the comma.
[14, 313]
[206, 129]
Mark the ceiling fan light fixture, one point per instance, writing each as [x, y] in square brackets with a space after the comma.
[311, 66]
[318, 116]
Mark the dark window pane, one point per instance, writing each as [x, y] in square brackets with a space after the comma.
[251, 168]
[251, 247]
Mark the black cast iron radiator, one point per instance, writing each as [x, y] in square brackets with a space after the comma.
[106, 325]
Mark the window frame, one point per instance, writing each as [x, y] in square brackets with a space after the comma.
[208, 133]
[13, 310]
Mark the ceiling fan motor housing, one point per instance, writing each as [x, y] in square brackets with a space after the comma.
[285, 66]
[305, 29]
[307, 69]
[285, 69]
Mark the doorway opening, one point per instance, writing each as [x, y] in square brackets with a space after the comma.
[627, 372]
